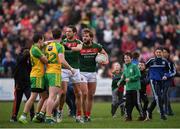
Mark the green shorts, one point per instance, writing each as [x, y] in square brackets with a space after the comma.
[37, 84]
[53, 79]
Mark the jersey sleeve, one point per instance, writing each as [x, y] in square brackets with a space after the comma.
[149, 62]
[99, 46]
[63, 41]
[60, 48]
[78, 41]
[36, 52]
[168, 69]
[173, 69]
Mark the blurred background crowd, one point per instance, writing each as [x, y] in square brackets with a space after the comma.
[119, 25]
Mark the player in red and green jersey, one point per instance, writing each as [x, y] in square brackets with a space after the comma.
[88, 54]
[72, 47]
[38, 60]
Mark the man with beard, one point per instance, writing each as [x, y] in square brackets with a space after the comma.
[72, 48]
[88, 54]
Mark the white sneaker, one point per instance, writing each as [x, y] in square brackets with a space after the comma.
[79, 119]
[114, 116]
[147, 116]
[22, 119]
[59, 116]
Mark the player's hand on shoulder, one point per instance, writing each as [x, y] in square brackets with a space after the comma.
[47, 42]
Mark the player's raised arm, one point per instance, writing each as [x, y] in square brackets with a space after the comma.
[78, 47]
[64, 62]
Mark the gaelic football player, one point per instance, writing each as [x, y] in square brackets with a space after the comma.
[55, 55]
[88, 54]
[38, 59]
[72, 47]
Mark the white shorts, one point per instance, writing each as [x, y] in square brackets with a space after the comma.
[88, 77]
[68, 76]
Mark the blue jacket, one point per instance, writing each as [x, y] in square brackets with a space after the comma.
[158, 67]
[172, 68]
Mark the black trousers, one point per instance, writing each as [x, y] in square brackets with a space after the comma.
[157, 89]
[169, 110]
[166, 99]
[144, 101]
[18, 94]
[70, 99]
[133, 99]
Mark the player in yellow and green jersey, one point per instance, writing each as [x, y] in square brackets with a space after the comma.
[54, 52]
[38, 59]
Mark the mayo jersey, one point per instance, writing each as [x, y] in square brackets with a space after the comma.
[37, 65]
[51, 51]
[72, 57]
[87, 57]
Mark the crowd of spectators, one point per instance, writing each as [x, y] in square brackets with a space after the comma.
[119, 25]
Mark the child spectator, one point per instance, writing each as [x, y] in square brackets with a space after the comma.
[131, 75]
[144, 81]
[117, 93]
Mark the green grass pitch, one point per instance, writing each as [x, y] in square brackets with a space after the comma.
[101, 118]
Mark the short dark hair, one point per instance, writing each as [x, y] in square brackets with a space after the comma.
[128, 54]
[73, 28]
[56, 33]
[166, 49]
[142, 61]
[87, 30]
[37, 37]
[135, 55]
[159, 48]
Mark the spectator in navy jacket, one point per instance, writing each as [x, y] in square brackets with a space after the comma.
[158, 73]
[168, 83]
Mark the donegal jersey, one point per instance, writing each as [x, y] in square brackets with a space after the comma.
[87, 57]
[51, 51]
[71, 57]
[37, 65]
